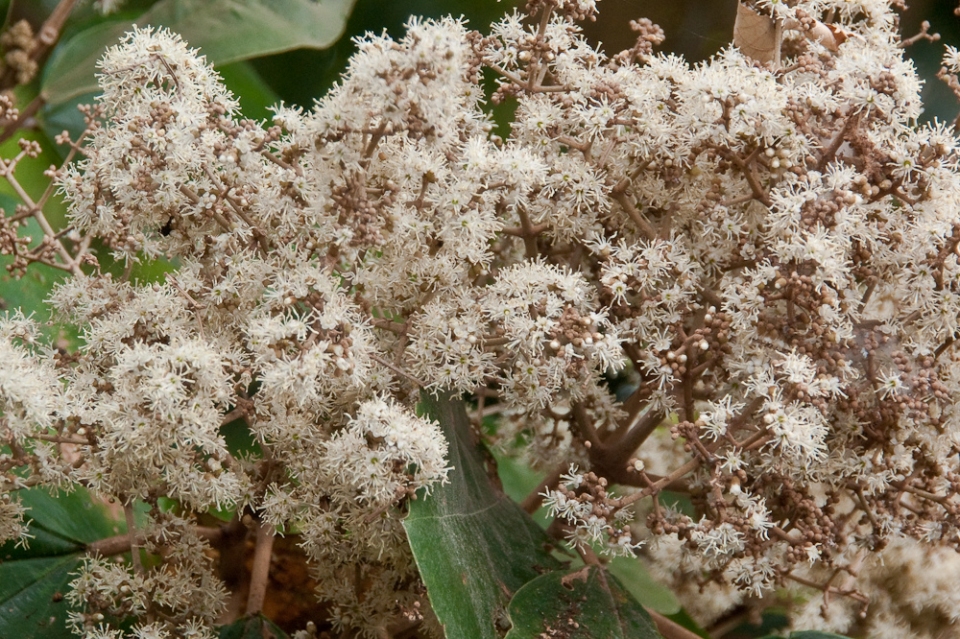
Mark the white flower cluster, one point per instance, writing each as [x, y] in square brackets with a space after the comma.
[759, 262]
[30, 395]
[594, 520]
[190, 595]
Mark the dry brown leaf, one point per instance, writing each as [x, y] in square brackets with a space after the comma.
[756, 35]
[826, 35]
[840, 36]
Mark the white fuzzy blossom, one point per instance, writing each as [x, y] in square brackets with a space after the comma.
[384, 450]
[185, 587]
[583, 513]
[724, 279]
[30, 394]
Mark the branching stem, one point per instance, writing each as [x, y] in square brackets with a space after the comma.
[133, 534]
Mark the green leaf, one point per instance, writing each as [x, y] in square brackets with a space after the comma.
[256, 97]
[225, 30]
[474, 546]
[518, 479]
[72, 516]
[255, 627]
[42, 543]
[71, 70]
[31, 597]
[30, 292]
[33, 579]
[578, 604]
[633, 574]
[240, 440]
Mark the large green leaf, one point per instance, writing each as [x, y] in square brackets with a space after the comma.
[255, 95]
[225, 30]
[33, 579]
[255, 627]
[73, 516]
[633, 575]
[31, 597]
[29, 292]
[518, 480]
[585, 603]
[474, 546]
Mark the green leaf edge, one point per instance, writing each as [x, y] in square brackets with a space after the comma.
[78, 55]
[441, 572]
[615, 592]
[245, 628]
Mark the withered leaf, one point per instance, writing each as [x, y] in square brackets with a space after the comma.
[756, 35]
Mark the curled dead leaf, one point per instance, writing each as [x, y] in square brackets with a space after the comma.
[756, 35]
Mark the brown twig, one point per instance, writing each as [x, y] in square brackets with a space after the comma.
[28, 112]
[119, 544]
[582, 421]
[398, 370]
[132, 534]
[668, 628]
[631, 210]
[830, 151]
[260, 572]
[533, 500]
[633, 438]
[46, 38]
[749, 173]
[924, 34]
[529, 237]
